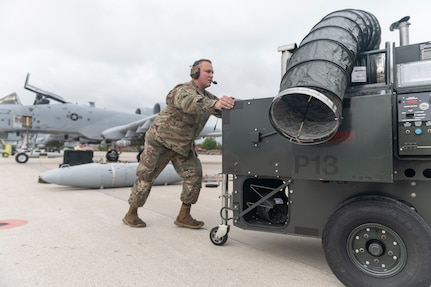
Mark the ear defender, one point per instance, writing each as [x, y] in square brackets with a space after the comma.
[195, 70]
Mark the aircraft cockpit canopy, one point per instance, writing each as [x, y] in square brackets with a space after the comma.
[11, 99]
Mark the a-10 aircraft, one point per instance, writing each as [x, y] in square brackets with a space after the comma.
[75, 122]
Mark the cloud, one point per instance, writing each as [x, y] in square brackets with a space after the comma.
[127, 54]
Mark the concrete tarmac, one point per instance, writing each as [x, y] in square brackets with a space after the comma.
[53, 235]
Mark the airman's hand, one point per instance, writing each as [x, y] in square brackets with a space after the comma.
[225, 102]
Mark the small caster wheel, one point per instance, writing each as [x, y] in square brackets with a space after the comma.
[217, 240]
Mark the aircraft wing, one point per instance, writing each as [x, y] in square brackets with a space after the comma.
[119, 132]
[210, 130]
[212, 135]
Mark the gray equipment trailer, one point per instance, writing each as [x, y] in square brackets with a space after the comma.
[342, 153]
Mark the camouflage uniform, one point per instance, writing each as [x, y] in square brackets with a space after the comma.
[171, 137]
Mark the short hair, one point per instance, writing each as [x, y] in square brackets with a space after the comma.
[195, 70]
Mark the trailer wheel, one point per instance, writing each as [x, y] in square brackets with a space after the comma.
[215, 240]
[21, 157]
[5, 154]
[378, 241]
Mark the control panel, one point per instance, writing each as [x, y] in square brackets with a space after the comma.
[414, 124]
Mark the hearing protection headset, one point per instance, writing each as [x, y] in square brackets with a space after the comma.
[195, 70]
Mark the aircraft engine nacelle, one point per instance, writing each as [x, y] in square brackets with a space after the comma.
[148, 111]
[143, 111]
[158, 107]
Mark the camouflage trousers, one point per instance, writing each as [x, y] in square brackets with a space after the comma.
[154, 159]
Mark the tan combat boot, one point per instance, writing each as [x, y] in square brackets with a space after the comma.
[132, 219]
[184, 219]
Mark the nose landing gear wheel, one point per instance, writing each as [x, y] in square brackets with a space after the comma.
[112, 155]
[21, 158]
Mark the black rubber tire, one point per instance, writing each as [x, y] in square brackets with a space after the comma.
[5, 154]
[217, 241]
[378, 241]
[112, 155]
[21, 157]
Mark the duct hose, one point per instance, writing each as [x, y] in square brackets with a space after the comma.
[308, 108]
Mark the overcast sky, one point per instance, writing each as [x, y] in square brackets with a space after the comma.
[126, 54]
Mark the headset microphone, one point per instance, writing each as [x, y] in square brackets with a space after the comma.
[214, 82]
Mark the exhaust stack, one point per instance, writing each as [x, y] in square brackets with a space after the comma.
[403, 26]
[308, 108]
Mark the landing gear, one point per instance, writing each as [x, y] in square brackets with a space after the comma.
[380, 241]
[112, 155]
[21, 157]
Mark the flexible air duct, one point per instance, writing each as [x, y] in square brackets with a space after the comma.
[308, 108]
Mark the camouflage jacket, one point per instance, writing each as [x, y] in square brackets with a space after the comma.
[182, 120]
